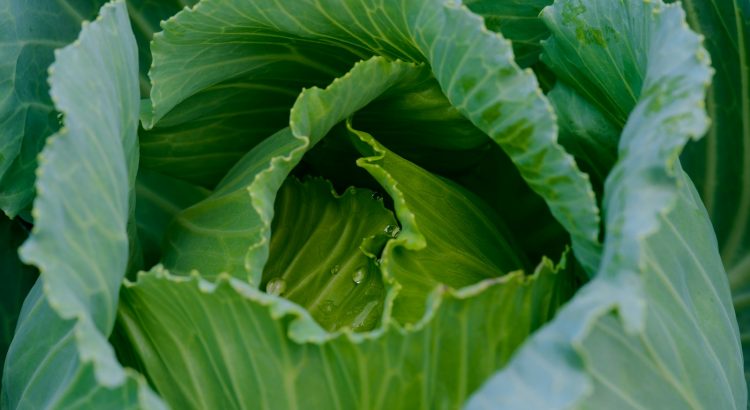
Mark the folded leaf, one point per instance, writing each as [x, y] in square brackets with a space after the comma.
[203, 238]
[474, 67]
[448, 236]
[237, 347]
[661, 292]
[30, 31]
[80, 239]
[720, 163]
[206, 134]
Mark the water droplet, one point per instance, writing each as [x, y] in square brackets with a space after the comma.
[392, 230]
[335, 269]
[359, 275]
[377, 196]
[276, 286]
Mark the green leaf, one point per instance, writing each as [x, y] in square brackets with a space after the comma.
[518, 21]
[323, 252]
[30, 31]
[80, 241]
[203, 136]
[66, 376]
[533, 227]
[203, 238]
[661, 293]
[198, 329]
[158, 199]
[474, 67]
[585, 132]
[17, 280]
[420, 124]
[145, 18]
[448, 237]
[720, 163]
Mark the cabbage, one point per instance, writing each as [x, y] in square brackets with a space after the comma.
[374, 204]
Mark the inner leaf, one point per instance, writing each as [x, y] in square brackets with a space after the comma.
[324, 249]
[450, 236]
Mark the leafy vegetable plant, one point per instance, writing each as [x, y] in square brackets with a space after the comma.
[374, 204]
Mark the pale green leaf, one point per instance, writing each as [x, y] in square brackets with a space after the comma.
[238, 348]
[80, 241]
[720, 163]
[661, 292]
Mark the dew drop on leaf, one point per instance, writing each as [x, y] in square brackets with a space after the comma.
[392, 230]
[276, 286]
[359, 275]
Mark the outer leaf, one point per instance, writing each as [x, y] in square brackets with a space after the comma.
[264, 352]
[474, 67]
[30, 30]
[65, 365]
[661, 269]
[449, 236]
[720, 163]
[80, 241]
[16, 278]
[203, 238]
